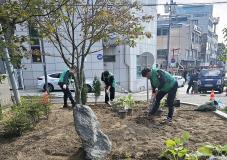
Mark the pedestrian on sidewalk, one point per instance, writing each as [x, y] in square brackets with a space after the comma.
[190, 83]
[108, 79]
[165, 83]
[64, 85]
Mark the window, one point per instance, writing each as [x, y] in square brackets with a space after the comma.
[193, 37]
[162, 53]
[36, 56]
[55, 75]
[143, 61]
[159, 32]
[165, 31]
[162, 31]
[35, 45]
[109, 58]
[210, 72]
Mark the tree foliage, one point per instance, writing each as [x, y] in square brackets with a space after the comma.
[80, 24]
[13, 13]
[223, 56]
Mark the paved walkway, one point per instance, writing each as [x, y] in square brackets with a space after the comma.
[181, 94]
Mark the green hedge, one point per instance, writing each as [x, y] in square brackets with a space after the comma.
[24, 116]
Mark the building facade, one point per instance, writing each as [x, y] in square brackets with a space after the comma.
[122, 60]
[128, 62]
[203, 17]
[185, 42]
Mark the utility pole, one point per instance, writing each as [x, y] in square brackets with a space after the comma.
[9, 68]
[11, 74]
[169, 8]
[44, 65]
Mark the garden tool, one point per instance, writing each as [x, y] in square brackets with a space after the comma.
[151, 105]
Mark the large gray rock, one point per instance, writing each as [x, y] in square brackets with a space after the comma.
[218, 158]
[95, 143]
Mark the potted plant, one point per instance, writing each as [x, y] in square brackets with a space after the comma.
[97, 88]
[120, 107]
[129, 103]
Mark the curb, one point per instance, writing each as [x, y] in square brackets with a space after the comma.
[217, 112]
[191, 104]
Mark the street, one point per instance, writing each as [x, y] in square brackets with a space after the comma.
[181, 94]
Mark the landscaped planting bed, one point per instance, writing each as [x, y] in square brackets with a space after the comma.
[135, 137]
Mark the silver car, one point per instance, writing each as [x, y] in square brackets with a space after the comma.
[53, 79]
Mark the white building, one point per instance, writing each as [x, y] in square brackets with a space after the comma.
[126, 62]
[126, 66]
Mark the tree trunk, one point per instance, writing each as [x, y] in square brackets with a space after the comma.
[79, 85]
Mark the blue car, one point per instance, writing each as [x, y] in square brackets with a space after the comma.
[211, 79]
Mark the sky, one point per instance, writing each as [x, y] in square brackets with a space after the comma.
[219, 10]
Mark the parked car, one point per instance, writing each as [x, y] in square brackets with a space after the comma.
[211, 79]
[180, 81]
[53, 79]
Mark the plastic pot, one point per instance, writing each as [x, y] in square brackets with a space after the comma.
[122, 113]
[129, 112]
[176, 103]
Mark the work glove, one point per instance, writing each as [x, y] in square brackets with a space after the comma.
[64, 86]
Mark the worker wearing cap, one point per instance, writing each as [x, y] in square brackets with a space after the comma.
[109, 81]
[64, 85]
[164, 83]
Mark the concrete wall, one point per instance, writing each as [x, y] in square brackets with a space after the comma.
[5, 95]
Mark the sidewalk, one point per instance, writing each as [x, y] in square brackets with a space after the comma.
[181, 94]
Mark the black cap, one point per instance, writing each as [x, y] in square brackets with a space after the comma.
[106, 73]
[145, 71]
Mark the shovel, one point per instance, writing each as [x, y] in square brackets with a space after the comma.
[151, 105]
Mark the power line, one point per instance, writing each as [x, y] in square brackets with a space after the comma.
[157, 4]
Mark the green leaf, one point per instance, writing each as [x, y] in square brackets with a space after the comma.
[205, 151]
[170, 143]
[225, 148]
[186, 136]
[182, 153]
[178, 141]
[173, 152]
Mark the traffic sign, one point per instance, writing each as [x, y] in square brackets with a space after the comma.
[99, 56]
[173, 60]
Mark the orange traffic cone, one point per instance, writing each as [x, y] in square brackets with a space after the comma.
[212, 95]
[45, 98]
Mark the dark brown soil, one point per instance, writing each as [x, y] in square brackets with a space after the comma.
[136, 136]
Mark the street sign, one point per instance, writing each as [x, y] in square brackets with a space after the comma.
[99, 56]
[173, 60]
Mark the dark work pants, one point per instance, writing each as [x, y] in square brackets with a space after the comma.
[111, 96]
[170, 100]
[67, 94]
[189, 87]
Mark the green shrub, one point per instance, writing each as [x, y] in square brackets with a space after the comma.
[97, 88]
[2, 78]
[24, 116]
[125, 102]
[177, 149]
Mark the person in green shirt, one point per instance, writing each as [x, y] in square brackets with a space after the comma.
[109, 81]
[162, 83]
[64, 85]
